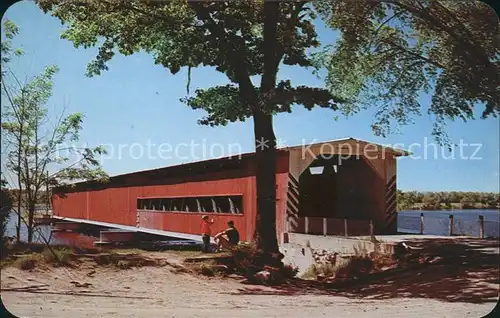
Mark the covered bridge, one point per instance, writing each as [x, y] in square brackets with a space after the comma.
[325, 188]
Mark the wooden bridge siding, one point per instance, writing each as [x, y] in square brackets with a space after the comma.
[118, 205]
[383, 163]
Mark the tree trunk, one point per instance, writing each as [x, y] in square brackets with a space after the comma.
[31, 214]
[19, 183]
[265, 226]
[265, 140]
[19, 206]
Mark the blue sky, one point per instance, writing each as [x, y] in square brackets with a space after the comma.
[138, 102]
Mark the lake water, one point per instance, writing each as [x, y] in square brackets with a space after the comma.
[65, 238]
[465, 222]
[84, 238]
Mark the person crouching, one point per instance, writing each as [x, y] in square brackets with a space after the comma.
[227, 238]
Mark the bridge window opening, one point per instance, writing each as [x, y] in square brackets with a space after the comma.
[316, 170]
[144, 205]
[216, 204]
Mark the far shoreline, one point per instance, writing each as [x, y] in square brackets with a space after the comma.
[450, 209]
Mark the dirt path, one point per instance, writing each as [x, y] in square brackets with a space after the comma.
[160, 292]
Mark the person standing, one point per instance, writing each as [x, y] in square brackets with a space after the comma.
[206, 232]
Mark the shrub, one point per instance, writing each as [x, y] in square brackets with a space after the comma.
[26, 262]
[353, 267]
[360, 250]
[123, 264]
[58, 255]
[383, 260]
[249, 260]
[204, 268]
[327, 270]
[290, 271]
[103, 259]
[310, 272]
[357, 266]
[5, 209]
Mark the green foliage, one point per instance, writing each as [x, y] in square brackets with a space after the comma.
[390, 52]
[27, 262]
[405, 201]
[205, 269]
[123, 264]
[224, 35]
[431, 202]
[352, 267]
[314, 270]
[32, 142]
[57, 255]
[5, 198]
[10, 30]
[447, 200]
[6, 203]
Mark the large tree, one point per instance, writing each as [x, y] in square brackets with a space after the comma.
[392, 51]
[390, 45]
[241, 39]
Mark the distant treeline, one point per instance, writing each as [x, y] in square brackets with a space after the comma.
[414, 200]
[43, 198]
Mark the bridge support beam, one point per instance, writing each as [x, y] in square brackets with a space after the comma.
[113, 237]
[65, 226]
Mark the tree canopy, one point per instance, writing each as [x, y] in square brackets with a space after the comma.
[224, 35]
[390, 52]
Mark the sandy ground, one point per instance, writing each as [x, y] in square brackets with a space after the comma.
[161, 292]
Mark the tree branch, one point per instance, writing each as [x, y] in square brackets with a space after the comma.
[236, 57]
[405, 50]
[292, 23]
[439, 26]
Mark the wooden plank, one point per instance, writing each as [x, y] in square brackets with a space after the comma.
[136, 229]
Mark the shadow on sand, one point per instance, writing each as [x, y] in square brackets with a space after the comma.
[465, 270]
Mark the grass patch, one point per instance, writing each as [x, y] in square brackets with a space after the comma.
[28, 248]
[127, 251]
[27, 262]
[123, 264]
[29, 256]
[125, 261]
[351, 267]
[186, 253]
[360, 250]
[209, 268]
[314, 270]
[57, 255]
[205, 268]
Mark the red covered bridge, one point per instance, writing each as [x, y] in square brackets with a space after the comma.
[325, 188]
